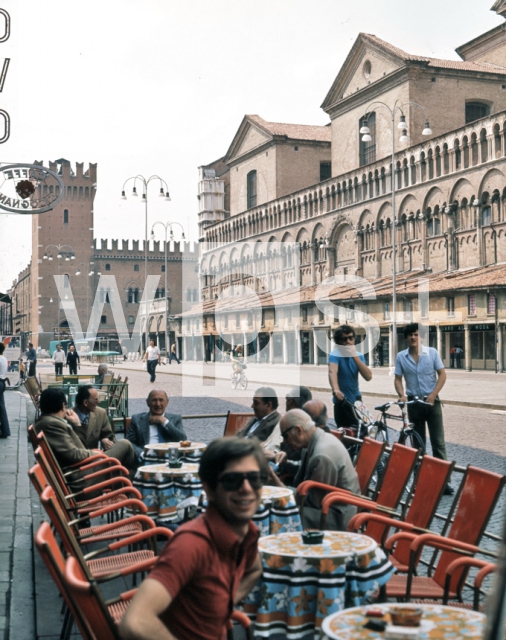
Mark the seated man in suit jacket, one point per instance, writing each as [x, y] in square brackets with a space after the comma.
[58, 424]
[265, 404]
[155, 425]
[95, 428]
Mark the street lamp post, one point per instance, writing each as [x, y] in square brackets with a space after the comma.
[91, 273]
[166, 226]
[366, 137]
[163, 193]
[68, 255]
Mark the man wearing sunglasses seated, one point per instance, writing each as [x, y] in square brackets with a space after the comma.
[264, 405]
[324, 459]
[212, 562]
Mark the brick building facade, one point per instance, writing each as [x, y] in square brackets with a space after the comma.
[63, 244]
[450, 212]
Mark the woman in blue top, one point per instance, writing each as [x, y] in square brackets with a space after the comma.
[344, 366]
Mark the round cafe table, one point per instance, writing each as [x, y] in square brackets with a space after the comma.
[278, 511]
[303, 583]
[438, 621]
[164, 489]
[158, 453]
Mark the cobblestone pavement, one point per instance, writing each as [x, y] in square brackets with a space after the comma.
[31, 610]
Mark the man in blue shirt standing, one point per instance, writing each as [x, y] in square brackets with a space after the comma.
[425, 376]
[31, 356]
[345, 363]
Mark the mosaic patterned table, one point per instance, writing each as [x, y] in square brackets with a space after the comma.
[438, 621]
[278, 512]
[164, 489]
[302, 584]
[159, 453]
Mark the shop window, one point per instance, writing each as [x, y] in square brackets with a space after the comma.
[450, 305]
[491, 304]
[471, 304]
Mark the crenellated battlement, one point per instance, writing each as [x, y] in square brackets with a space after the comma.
[134, 249]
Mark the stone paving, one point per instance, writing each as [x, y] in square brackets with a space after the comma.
[30, 609]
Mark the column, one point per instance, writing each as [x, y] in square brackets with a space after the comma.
[371, 350]
[467, 346]
[479, 234]
[390, 347]
[285, 349]
[311, 253]
[377, 252]
[439, 341]
[359, 242]
[271, 347]
[331, 260]
[315, 348]
[298, 344]
[258, 349]
[450, 225]
[245, 346]
[500, 360]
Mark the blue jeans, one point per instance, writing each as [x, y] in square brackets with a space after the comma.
[151, 367]
[173, 356]
[4, 420]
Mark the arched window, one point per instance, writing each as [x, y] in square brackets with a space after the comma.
[107, 266]
[486, 215]
[251, 186]
[65, 216]
[476, 110]
[66, 282]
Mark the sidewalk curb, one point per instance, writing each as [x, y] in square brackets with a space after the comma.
[456, 403]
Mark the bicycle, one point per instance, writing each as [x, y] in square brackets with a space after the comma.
[407, 434]
[239, 379]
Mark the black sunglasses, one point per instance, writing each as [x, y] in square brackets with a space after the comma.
[233, 480]
[284, 433]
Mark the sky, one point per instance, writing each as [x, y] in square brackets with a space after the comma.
[161, 86]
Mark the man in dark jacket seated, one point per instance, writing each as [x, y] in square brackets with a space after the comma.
[156, 425]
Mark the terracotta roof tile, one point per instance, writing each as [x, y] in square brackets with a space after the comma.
[294, 131]
[483, 67]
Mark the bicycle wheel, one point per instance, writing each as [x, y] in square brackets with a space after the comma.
[234, 382]
[411, 438]
[244, 382]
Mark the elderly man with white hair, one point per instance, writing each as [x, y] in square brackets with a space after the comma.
[324, 459]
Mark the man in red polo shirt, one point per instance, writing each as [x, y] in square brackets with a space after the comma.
[210, 563]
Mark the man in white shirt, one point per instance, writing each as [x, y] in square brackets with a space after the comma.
[152, 357]
[4, 420]
[59, 358]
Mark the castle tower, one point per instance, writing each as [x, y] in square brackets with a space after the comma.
[69, 226]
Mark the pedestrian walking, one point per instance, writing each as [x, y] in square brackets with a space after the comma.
[5, 431]
[425, 376]
[173, 354]
[31, 356]
[59, 359]
[452, 357]
[152, 357]
[73, 360]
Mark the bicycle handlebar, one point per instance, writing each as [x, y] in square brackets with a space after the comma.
[401, 404]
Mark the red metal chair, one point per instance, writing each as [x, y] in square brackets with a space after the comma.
[103, 617]
[397, 473]
[428, 488]
[96, 533]
[478, 495]
[235, 422]
[485, 568]
[96, 564]
[368, 459]
[69, 501]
